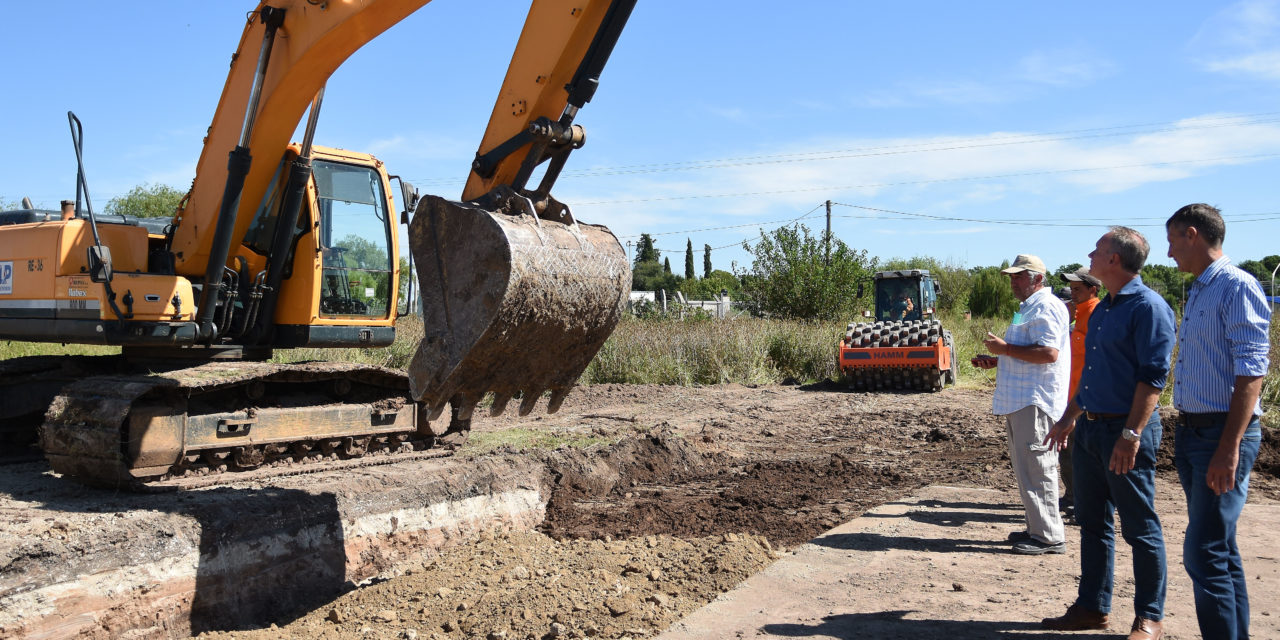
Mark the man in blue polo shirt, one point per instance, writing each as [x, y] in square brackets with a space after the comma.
[1127, 350]
[1222, 357]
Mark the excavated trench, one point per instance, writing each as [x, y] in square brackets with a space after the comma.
[82, 562]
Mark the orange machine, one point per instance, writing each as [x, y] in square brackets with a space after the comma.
[905, 346]
[282, 245]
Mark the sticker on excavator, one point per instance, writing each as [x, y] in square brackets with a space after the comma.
[6, 277]
[511, 304]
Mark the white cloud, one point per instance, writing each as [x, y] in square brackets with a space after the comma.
[421, 147]
[1241, 40]
[1063, 68]
[922, 93]
[945, 172]
[1067, 67]
[1265, 64]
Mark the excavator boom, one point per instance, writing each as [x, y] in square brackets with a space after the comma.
[508, 275]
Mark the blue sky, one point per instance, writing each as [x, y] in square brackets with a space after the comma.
[970, 132]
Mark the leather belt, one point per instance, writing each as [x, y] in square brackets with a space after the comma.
[1089, 415]
[1201, 420]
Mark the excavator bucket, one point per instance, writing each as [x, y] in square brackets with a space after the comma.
[512, 304]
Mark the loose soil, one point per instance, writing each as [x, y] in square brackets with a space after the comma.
[699, 488]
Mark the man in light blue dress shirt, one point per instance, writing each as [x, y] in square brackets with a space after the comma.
[1222, 358]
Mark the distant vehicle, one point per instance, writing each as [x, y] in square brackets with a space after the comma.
[904, 346]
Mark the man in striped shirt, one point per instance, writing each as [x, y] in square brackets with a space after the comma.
[1222, 358]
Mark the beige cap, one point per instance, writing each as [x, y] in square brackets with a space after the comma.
[1082, 275]
[1026, 262]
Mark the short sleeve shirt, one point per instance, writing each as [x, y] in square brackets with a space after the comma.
[1042, 322]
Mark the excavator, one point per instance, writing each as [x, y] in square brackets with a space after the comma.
[282, 245]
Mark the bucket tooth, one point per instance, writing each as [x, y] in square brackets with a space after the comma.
[436, 412]
[464, 405]
[500, 401]
[529, 401]
[511, 302]
[557, 399]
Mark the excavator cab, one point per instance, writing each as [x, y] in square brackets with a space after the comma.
[355, 240]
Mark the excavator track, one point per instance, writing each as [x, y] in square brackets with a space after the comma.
[27, 385]
[221, 422]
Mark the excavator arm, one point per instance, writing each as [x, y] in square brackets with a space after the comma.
[312, 39]
[518, 297]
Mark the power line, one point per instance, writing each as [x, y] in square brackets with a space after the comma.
[732, 226]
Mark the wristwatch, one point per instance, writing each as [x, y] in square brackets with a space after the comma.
[1130, 435]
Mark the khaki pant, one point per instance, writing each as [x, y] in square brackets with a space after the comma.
[1036, 468]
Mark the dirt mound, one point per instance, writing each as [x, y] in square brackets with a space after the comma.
[1268, 463]
[788, 501]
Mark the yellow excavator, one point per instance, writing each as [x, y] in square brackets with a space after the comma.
[282, 245]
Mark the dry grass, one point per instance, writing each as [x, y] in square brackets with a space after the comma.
[397, 356]
[687, 352]
[1271, 384]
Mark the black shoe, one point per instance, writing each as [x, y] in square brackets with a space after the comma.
[1020, 536]
[1034, 547]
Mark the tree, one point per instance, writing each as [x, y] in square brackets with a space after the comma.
[650, 276]
[992, 295]
[1061, 271]
[709, 286]
[1261, 269]
[666, 266]
[146, 201]
[688, 260]
[645, 252]
[1168, 282]
[791, 278]
[706, 261]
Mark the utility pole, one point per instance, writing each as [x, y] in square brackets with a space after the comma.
[628, 251]
[827, 238]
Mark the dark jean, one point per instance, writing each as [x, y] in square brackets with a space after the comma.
[1209, 551]
[1099, 491]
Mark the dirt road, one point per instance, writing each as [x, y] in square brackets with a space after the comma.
[708, 486]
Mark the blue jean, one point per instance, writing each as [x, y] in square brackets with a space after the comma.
[1209, 551]
[1099, 491]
